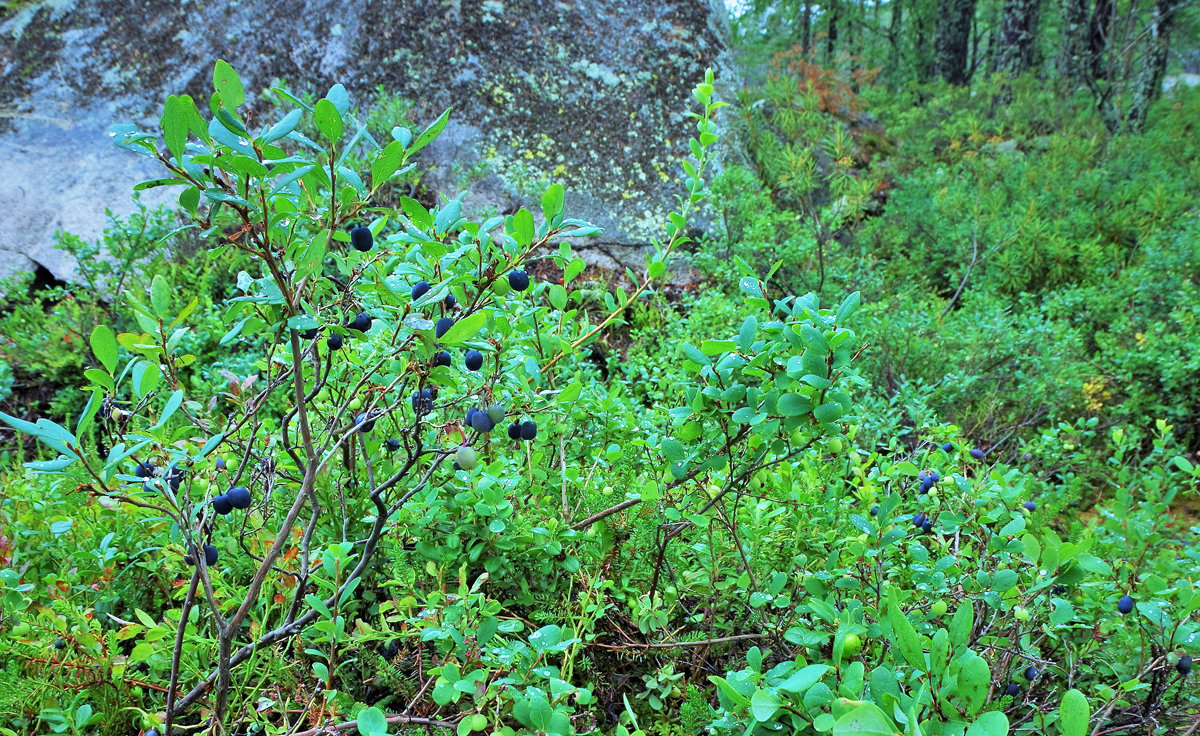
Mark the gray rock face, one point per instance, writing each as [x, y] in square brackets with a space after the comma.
[587, 93]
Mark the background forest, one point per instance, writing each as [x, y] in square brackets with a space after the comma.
[894, 430]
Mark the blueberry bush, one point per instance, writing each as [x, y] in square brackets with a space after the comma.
[343, 461]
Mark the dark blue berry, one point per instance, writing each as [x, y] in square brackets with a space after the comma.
[948, 447]
[443, 358]
[1030, 506]
[1184, 665]
[143, 470]
[481, 422]
[334, 342]
[365, 423]
[1125, 605]
[528, 430]
[443, 326]
[874, 511]
[362, 322]
[450, 301]
[518, 280]
[422, 401]
[1012, 690]
[210, 556]
[1031, 674]
[977, 453]
[362, 239]
[239, 497]
[221, 504]
[514, 431]
[927, 526]
[420, 289]
[473, 360]
[392, 444]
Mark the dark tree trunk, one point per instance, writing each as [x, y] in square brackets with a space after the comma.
[952, 39]
[895, 27]
[1096, 38]
[1072, 52]
[925, 60]
[806, 31]
[1018, 37]
[831, 37]
[1149, 79]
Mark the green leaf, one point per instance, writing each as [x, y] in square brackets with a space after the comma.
[328, 119]
[82, 716]
[1014, 527]
[51, 466]
[283, 127]
[318, 605]
[792, 405]
[830, 411]
[799, 682]
[104, 346]
[339, 97]
[962, 624]
[1074, 714]
[227, 84]
[371, 722]
[172, 406]
[211, 444]
[552, 202]
[763, 705]
[728, 690]
[849, 305]
[522, 227]
[464, 329]
[416, 212]
[313, 256]
[573, 269]
[717, 347]
[864, 720]
[175, 125]
[993, 723]
[973, 680]
[558, 297]
[87, 417]
[813, 340]
[433, 131]
[906, 635]
[160, 296]
[389, 160]
[447, 215]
